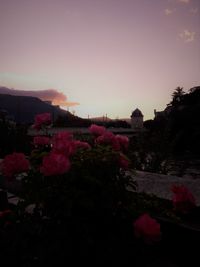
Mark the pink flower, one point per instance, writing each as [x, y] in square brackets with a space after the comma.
[83, 145]
[41, 140]
[63, 136]
[14, 163]
[55, 164]
[62, 143]
[123, 141]
[42, 120]
[97, 130]
[108, 138]
[183, 200]
[124, 162]
[147, 228]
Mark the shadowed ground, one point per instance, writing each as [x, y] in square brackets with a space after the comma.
[160, 184]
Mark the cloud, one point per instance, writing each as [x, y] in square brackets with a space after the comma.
[169, 11]
[66, 103]
[183, 1]
[187, 36]
[53, 95]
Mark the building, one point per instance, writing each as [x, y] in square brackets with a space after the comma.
[162, 114]
[137, 119]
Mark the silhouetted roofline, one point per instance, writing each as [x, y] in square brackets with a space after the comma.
[137, 113]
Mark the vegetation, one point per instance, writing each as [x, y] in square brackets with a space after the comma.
[13, 137]
[78, 204]
[176, 130]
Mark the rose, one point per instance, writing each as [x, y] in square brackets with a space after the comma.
[81, 145]
[97, 130]
[117, 142]
[42, 120]
[54, 164]
[123, 141]
[183, 200]
[13, 164]
[147, 228]
[108, 138]
[62, 143]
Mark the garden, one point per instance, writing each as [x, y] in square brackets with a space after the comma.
[78, 203]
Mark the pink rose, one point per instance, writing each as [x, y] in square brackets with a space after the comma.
[183, 200]
[62, 143]
[13, 164]
[83, 145]
[147, 228]
[108, 138]
[97, 130]
[123, 141]
[55, 164]
[41, 120]
[41, 140]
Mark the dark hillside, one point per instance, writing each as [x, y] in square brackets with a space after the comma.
[24, 108]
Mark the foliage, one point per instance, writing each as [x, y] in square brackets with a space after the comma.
[94, 185]
[13, 137]
[176, 130]
[69, 213]
[177, 96]
[86, 211]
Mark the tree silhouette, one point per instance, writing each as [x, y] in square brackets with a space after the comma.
[177, 96]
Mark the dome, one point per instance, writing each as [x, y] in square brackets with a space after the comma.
[137, 113]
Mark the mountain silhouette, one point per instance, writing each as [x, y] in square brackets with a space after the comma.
[22, 109]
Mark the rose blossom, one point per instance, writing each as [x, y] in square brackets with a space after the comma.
[97, 130]
[42, 119]
[147, 228]
[123, 141]
[14, 163]
[108, 138]
[80, 144]
[183, 200]
[55, 164]
[62, 143]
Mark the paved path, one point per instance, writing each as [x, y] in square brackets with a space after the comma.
[154, 183]
[160, 184]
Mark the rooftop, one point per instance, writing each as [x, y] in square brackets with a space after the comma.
[137, 113]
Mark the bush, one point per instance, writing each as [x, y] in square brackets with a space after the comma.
[78, 203]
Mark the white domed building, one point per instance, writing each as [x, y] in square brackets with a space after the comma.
[137, 119]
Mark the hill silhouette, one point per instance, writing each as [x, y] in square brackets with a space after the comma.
[22, 110]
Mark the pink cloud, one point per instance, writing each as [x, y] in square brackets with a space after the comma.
[53, 95]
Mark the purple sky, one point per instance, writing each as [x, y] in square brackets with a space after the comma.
[110, 56]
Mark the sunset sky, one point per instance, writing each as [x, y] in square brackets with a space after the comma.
[110, 56]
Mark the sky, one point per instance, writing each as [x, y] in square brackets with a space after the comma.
[105, 57]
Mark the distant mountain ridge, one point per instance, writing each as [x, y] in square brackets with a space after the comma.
[24, 108]
[102, 118]
[44, 94]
